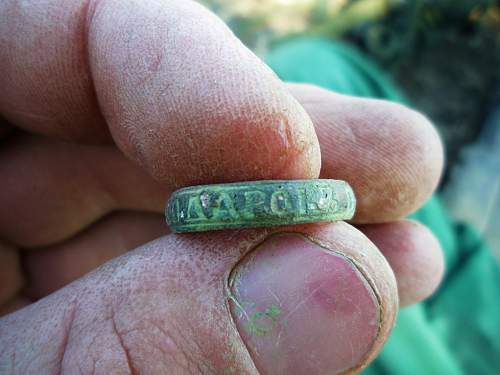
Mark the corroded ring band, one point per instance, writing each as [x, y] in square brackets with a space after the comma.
[259, 204]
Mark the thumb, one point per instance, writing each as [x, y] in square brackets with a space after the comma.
[320, 299]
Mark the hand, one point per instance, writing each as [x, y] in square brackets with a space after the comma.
[112, 106]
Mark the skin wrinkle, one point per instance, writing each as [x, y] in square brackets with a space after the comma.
[126, 351]
[195, 361]
[64, 344]
[178, 271]
[187, 365]
[104, 349]
[88, 350]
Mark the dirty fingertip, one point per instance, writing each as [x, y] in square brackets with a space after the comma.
[303, 309]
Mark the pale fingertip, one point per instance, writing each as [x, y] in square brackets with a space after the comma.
[414, 254]
[391, 155]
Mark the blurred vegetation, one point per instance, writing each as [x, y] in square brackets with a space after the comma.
[445, 54]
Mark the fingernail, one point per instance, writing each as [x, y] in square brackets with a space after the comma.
[302, 309]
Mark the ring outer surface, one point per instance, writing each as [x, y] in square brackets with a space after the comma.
[254, 204]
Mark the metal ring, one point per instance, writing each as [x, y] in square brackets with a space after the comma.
[259, 204]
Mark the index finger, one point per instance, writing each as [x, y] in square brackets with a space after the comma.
[176, 90]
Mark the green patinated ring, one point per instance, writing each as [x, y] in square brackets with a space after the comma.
[259, 204]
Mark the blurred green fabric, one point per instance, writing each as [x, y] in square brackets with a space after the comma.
[456, 331]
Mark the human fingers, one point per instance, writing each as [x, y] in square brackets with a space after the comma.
[178, 92]
[309, 299]
[414, 254]
[54, 189]
[50, 268]
[411, 250]
[391, 155]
